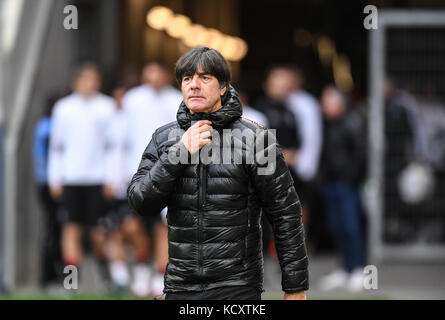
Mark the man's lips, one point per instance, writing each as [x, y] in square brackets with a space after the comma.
[196, 97]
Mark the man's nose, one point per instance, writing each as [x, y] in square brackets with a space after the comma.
[194, 83]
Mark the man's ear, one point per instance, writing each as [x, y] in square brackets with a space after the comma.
[222, 90]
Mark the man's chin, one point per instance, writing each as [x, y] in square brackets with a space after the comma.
[197, 109]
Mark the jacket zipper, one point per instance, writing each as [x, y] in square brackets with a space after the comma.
[201, 201]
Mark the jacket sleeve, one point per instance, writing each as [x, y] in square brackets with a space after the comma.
[39, 150]
[151, 186]
[56, 153]
[282, 208]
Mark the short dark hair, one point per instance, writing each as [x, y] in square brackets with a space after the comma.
[209, 60]
[295, 70]
[86, 66]
[161, 63]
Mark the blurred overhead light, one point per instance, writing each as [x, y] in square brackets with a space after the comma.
[159, 17]
[178, 25]
[215, 39]
[242, 49]
[192, 35]
[196, 35]
[228, 47]
[326, 50]
[341, 67]
[234, 48]
[342, 73]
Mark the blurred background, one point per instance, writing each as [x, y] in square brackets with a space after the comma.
[365, 113]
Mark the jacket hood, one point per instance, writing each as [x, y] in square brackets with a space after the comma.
[231, 111]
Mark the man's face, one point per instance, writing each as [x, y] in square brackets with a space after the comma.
[332, 104]
[279, 84]
[87, 83]
[156, 76]
[202, 92]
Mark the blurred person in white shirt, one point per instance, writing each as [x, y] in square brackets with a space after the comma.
[77, 161]
[307, 112]
[124, 228]
[149, 106]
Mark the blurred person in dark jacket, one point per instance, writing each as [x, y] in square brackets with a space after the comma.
[405, 144]
[214, 209]
[342, 155]
[277, 87]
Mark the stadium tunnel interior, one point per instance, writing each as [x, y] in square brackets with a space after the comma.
[115, 35]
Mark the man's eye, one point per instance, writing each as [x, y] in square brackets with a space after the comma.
[205, 78]
[186, 79]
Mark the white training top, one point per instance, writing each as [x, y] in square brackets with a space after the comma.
[147, 110]
[308, 116]
[144, 111]
[117, 171]
[255, 115]
[78, 141]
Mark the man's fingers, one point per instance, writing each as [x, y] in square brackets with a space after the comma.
[201, 123]
[205, 127]
[205, 134]
[205, 141]
[198, 135]
[204, 122]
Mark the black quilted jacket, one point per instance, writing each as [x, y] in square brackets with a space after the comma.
[214, 210]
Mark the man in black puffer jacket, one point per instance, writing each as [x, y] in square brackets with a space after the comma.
[214, 207]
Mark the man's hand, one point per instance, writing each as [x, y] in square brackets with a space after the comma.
[289, 156]
[295, 296]
[56, 192]
[197, 136]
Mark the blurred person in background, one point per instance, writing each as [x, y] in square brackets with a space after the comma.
[277, 87]
[51, 255]
[77, 162]
[123, 226]
[249, 112]
[306, 111]
[147, 107]
[405, 144]
[432, 111]
[342, 155]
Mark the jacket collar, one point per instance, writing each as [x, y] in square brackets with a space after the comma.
[231, 111]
